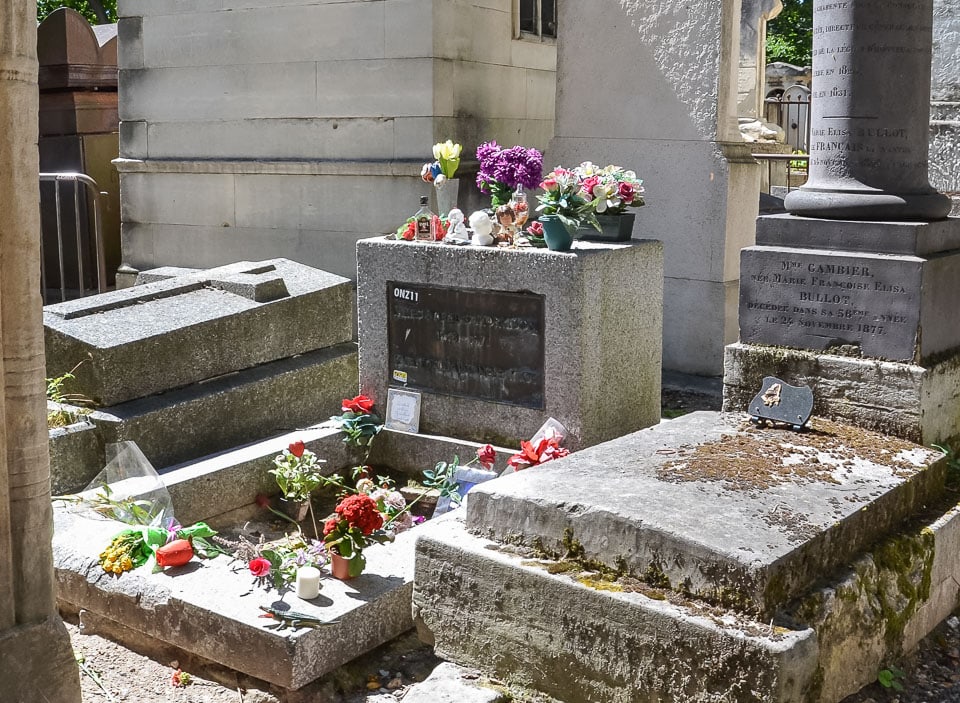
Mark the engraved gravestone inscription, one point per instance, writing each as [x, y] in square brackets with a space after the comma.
[480, 344]
[869, 112]
[819, 300]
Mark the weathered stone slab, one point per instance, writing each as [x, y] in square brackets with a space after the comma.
[921, 404]
[207, 607]
[896, 307]
[447, 684]
[236, 409]
[743, 516]
[498, 612]
[584, 639]
[601, 318]
[170, 333]
[76, 457]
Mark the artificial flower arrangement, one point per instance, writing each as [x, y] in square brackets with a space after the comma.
[503, 170]
[563, 196]
[446, 162]
[611, 190]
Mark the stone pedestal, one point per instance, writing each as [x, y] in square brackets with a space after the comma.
[499, 340]
[867, 310]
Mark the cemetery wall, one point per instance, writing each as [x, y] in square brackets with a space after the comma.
[295, 127]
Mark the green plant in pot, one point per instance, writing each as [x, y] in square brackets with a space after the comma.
[563, 208]
[297, 473]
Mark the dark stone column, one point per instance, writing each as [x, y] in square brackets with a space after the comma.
[870, 113]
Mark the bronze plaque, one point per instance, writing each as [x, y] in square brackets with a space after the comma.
[467, 342]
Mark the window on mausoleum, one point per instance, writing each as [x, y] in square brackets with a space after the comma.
[537, 18]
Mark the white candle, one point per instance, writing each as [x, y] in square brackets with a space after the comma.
[308, 582]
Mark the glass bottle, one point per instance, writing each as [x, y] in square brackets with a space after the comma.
[424, 218]
[520, 207]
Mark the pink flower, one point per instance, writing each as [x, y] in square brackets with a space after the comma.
[625, 191]
[259, 567]
[487, 456]
[549, 183]
[297, 448]
[535, 228]
[589, 184]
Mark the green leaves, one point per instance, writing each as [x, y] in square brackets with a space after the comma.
[889, 678]
[790, 35]
[442, 479]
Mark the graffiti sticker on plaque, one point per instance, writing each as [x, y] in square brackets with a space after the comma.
[467, 342]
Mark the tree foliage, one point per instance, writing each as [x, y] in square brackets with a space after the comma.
[790, 35]
[96, 11]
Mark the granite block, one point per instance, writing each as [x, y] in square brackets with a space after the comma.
[170, 333]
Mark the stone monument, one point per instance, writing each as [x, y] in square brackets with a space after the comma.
[37, 661]
[860, 278]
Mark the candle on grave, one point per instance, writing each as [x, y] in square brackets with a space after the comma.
[308, 582]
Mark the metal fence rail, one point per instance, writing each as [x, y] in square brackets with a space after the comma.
[795, 170]
[80, 225]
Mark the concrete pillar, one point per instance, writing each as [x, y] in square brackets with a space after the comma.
[869, 129]
[37, 661]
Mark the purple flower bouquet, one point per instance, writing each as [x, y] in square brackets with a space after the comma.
[502, 170]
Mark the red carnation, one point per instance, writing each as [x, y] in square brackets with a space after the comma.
[360, 511]
[359, 404]
[297, 448]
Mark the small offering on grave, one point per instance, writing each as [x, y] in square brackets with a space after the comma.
[780, 402]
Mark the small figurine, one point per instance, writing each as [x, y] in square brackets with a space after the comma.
[457, 230]
[507, 219]
[482, 226]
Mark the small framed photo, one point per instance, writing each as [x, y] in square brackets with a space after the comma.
[403, 410]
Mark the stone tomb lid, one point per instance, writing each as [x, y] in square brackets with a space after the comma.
[741, 516]
[192, 327]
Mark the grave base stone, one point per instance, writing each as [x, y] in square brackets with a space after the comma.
[869, 308]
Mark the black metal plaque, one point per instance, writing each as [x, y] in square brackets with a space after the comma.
[467, 342]
[782, 402]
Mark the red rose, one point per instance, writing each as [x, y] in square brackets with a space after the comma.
[487, 456]
[410, 233]
[625, 191]
[536, 229]
[360, 404]
[297, 448]
[360, 511]
[259, 567]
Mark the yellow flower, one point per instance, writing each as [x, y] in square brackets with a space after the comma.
[126, 563]
[447, 151]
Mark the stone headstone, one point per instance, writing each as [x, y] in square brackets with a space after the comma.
[498, 340]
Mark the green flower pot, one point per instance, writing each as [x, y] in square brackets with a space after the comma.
[555, 233]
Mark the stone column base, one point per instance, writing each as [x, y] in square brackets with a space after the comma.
[38, 664]
[918, 403]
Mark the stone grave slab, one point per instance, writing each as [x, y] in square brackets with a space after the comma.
[169, 333]
[481, 605]
[211, 609]
[579, 637]
[742, 516]
[497, 341]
